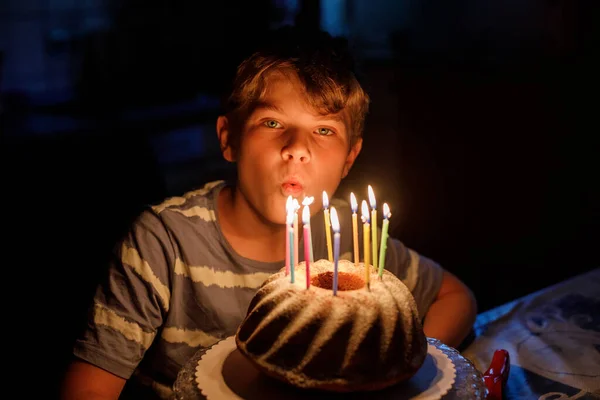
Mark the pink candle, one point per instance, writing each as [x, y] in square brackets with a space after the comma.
[287, 252]
[288, 207]
[307, 242]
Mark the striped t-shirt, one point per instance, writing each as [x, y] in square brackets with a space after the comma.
[175, 285]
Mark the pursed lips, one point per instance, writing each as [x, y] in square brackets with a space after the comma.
[292, 186]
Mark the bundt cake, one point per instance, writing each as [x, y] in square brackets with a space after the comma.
[362, 339]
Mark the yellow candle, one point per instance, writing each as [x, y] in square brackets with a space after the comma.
[374, 223]
[366, 228]
[327, 226]
[354, 206]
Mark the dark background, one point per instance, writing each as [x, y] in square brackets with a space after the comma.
[481, 135]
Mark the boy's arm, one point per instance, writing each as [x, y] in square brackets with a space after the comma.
[452, 314]
[86, 381]
[126, 312]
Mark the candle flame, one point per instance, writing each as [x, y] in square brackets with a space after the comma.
[386, 211]
[296, 205]
[325, 200]
[306, 215]
[289, 211]
[372, 198]
[353, 202]
[335, 223]
[365, 212]
[308, 201]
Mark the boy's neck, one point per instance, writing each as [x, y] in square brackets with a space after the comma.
[255, 238]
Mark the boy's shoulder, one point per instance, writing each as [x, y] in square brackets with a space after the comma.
[202, 197]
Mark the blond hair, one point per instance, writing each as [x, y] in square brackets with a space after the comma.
[322, 65]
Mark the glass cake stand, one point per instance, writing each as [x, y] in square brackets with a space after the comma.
[468, 383]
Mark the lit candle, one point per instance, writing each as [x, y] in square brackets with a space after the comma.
[307, 202]
[288, 207]
[307, 242]
[290, 224]
[354, 206]
[327, 225]
[384, 236]
[335, 224]
[374, 224]
[366, 227]
[296, 229]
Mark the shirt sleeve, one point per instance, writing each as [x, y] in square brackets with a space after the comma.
[131, 301]
[421, 275]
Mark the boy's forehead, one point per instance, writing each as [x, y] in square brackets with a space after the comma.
[277, 82]
[281, 88]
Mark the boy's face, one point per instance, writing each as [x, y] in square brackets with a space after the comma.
[287, 148]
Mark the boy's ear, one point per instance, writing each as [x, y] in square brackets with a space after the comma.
[224, 134]
[352, 154]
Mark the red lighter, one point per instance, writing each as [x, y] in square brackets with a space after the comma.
[497, 374]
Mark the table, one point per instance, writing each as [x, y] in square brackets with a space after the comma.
[553, 339]
[552, 336]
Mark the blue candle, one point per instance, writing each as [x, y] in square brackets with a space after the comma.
[335, 225]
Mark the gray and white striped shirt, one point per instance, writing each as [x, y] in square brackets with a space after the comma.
[175, 285]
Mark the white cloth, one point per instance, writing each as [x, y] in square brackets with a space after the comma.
[554, 333]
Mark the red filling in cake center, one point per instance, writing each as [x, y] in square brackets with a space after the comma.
[346, 281]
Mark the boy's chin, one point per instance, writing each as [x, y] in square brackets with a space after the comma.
[277, 221]
[274, 218]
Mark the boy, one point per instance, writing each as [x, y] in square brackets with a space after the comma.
[184, 275]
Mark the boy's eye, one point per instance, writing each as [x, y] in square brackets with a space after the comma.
[324, 131]
[272, 124]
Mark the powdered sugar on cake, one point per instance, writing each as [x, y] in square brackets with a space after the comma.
[315, 315]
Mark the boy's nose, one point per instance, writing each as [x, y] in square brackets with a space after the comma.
[296, 150]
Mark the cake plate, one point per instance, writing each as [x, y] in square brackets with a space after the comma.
[222, 372]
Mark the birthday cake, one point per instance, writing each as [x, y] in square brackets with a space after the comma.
[363, 338]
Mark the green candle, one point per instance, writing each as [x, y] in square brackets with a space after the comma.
[384, 236]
